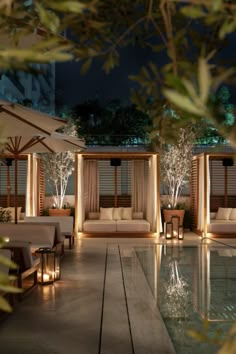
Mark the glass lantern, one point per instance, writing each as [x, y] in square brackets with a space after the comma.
[181, 233]
[168, 230]
[46, 272]
[57, 267]
[175, 219]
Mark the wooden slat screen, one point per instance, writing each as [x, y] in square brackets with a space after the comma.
[106, 178]
[223, 185]
[22, 179]
[41, 187]
[193, 193]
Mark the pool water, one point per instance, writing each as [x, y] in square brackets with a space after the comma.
[192, 286]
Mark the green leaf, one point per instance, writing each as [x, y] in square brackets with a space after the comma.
[7, 262]
[86, 66]
[4, 305]
[204, 79]
[226, 28]
[193, 11]
[182, 102]
[216, 5]
[48, 18]
[68, 6]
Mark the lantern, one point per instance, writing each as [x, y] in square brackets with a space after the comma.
[168, 230]
[175, 219]
[181, 233]
[46, 272]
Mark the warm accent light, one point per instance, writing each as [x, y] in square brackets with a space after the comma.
[168, 226]
[181, 233]
[47, 270]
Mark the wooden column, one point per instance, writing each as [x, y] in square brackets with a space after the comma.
[115, 187]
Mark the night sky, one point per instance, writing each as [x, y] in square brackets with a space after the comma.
[76, 88]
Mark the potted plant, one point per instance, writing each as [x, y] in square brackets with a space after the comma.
[58, 168]
[175, 165]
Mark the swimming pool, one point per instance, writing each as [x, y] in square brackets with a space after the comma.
[192, 284]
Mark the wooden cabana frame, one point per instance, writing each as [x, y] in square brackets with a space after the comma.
[204, 201]
[80, 157]
[34, 198]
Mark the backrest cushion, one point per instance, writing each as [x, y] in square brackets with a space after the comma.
[106, 213]
[223, 213]
[117, 213]
[233, 214]
[93, 215]
[127, 213]
[138, 215]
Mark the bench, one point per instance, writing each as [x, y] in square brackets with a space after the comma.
[66, 225]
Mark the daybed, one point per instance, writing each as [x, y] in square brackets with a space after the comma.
[116, 220]
[38, 235]
[223, 222]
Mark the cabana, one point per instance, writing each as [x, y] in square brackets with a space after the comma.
[113, 183]
[31, 184]
[213, 194]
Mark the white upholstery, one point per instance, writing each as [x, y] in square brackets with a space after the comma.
[117, 214]
[65, 223]
[99, 226]
[223, 213]
[37, 235]
[106, 213]
[233, 214]
[133, 226]
[222, 226]
[127, 213]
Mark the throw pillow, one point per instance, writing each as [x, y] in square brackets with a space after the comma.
[12, 211]
[223, 213]
[127, 213]
[92, 215]
[138, 215]
[233, 214]
[117, 213]
[106, 213]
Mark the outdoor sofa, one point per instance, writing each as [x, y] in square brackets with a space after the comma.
[223, 222]
[116, 220]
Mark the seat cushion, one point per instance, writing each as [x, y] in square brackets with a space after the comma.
[133, 226]
[99, 226]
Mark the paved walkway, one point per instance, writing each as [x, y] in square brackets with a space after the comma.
[102, 304]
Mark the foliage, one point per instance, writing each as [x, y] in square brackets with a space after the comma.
[175, 164]
[110, 123]
[5, 215]
[6, 280]
[59, 167]
[225, 341]
[34, 32]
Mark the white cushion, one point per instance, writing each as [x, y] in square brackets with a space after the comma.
[12, 211]
[223, 213]
[233, 214]
[93, 215]
[133, 226]
[117, 213]
[127, 213]
[99, 226]
[106, 213]
[138, 215]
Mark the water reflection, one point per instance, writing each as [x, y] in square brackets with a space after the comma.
[191, 284]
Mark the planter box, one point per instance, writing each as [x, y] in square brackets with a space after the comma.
[168, 213]
[59, 212]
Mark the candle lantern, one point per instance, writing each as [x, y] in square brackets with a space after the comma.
[46, 272]
[175, 219]
[57, 266]
[168, 230]
[181, 233]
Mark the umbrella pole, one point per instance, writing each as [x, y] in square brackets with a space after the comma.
[16, 187]
[8, 186]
